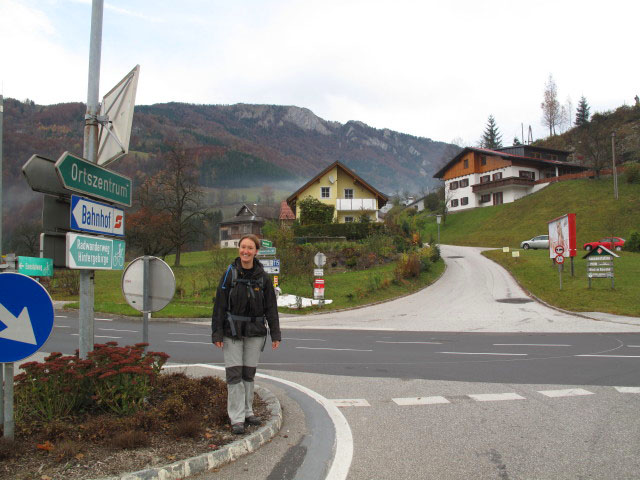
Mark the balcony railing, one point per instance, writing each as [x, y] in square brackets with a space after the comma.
[355, 204]
[518, 181]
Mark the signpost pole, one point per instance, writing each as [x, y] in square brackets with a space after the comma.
[9, 422]
[90, 152]
[560, 274]
[145, 300]
[1, 369]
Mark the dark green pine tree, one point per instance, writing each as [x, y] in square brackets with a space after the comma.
[582, 112]
[491, 138]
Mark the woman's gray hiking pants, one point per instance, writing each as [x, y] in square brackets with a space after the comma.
[241, 360]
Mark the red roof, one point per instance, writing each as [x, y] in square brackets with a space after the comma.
[285, 211]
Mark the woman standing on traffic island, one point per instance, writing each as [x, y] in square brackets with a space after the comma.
[245, 304]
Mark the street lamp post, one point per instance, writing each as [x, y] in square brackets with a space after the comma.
[613, 159]
[438, 221]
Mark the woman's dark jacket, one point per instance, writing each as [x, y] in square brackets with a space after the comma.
[259, 303]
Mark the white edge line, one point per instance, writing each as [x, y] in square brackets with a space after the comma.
[334, 349]
[485, 353]
[531, 345]
[421, 343]
[185, 341]
[343, 447]
[608, 356]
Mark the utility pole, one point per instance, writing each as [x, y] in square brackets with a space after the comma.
[2, 369]
[90, 152]
[613, 159]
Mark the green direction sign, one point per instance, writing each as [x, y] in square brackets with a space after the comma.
[35, 266]
[266, 243]
[82, 176]
[88, 252]
[267, 251]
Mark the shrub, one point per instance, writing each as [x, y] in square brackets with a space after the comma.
[633, 244]
[632, 172]
[435, 253]
[130, 439]
[408, 266]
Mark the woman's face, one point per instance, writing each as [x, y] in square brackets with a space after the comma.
[247, 251]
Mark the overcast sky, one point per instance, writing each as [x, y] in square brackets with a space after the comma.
[433, 69]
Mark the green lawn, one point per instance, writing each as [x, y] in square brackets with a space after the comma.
[199, 273]
[534, 271]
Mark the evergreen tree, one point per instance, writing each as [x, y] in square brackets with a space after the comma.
[516, 141]
[491, 138]
[582, 113]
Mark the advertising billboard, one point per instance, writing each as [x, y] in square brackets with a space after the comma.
[562, 236]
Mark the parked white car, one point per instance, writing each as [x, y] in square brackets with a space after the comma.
[541, 241]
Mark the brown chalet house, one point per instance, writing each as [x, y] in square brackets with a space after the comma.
[249, 219]
[478, 177]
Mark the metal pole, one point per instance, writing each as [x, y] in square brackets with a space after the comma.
[613, 159]
[145, 300]
[560, 274]
[572, 269]
[8, 422]
[1, 218]
[86, 327]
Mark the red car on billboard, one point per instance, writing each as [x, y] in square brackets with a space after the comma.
[612, 243]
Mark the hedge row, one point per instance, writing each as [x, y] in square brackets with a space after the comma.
[351, 231]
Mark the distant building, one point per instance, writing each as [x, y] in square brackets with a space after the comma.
[287, 217]
[478, 177]
[249, 219]
[351, 196]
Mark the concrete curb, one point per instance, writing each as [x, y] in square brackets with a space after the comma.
[226, 454]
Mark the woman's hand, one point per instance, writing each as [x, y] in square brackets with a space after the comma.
[275, 344]
[218, 344]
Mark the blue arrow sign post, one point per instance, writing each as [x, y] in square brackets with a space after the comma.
[90, 216]
[26, 316]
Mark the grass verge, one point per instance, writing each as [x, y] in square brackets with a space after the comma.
[535, 272]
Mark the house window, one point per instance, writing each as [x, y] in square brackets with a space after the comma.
[246, 228]
[466, 163]
[485, 178]
[497, 176]
[453, 185]
[454, 202]
[325, 192]
[497, 198]
[485, 198]
[464, 182]
[483, 160]
[348, 219]
[348, 193]
[527, 174]
[464, 201]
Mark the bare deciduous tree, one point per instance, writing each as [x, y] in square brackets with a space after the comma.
[551, 110]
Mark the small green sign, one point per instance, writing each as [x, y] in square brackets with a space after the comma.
[82, 176]
[267, 251]
[87, 252]
[35, 266]
[266, 243]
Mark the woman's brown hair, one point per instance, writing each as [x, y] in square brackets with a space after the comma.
[251, 237]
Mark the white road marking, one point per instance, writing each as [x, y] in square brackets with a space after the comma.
[609, 356]
[304, 339]
[422, 343]
[569, 392]
[628, 389]
[349, 402]
[192, 334]
[99, 336]
[484, 353]
[633, 346]
[104, 319]
[116, 330]
[61, 316]
[335, 349]
[420, 401]
[495, 397]
[62, 326]
[532, 344]
[184, 341]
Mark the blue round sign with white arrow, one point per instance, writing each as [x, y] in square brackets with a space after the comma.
[26, 316]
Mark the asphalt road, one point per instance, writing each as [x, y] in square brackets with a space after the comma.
[469, 378]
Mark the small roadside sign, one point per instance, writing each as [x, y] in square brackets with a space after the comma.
[559, 259]
[85, 177]
[89, 252]
[275, 280]
[35, 266]
[267, 251]
[318, 288]
[272, 270]
[318, 272]
[266, 243]
[559, 250]
[96, 217]
[320, 259]
[505, 249]
[270, 262]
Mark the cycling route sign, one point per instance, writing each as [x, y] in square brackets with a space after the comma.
[88, 252]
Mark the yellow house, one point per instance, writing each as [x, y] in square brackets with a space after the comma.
[351, 196]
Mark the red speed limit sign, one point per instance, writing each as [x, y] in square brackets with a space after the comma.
[559, 250]
[559, 258]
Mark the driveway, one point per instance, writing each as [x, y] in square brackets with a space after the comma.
[473, 295]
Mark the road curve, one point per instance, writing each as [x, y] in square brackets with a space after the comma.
[473, 295]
